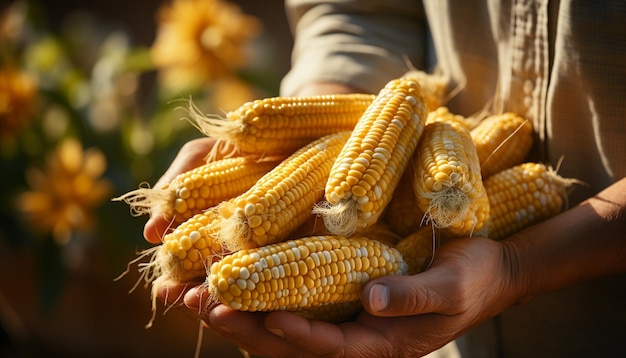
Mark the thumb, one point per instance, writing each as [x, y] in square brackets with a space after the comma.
[407, 295]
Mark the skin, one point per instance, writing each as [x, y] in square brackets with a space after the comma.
[470, 281]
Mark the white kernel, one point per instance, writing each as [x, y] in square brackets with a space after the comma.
[296, 252]
[327, 256]
[397, 122]
[316, 259]
[242, 284]
[194, 236]
[235, 305]
[275, 272]
[249, 209]
[363, 251]
[244, 274]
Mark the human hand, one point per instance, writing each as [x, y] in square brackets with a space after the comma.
[191, 155]
[404, 315]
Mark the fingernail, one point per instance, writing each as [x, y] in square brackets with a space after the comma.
[379, 297]
[192, 299]
[278, 332]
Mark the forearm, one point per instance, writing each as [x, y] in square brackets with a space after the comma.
[585, 242]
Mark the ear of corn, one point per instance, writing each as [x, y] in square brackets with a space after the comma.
[448, 181]
[284, 124]
[502, 141]
[200, 188]
[369, 166]
[282, 199]
[303, 273]
[524, 195]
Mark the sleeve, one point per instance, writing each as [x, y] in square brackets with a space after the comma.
[361, 43]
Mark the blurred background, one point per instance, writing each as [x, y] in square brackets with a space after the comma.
[90, 107]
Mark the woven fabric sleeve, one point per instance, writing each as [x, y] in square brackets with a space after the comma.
[361, 43]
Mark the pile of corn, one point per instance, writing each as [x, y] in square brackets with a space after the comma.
[328, 192]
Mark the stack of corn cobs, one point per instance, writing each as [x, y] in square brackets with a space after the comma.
[321, 194]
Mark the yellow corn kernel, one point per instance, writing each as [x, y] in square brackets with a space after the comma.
[434, 87]
[524, 195]
[447, 180]
[371, 163]
[502, 141]
[283, 124]
[301, 274]
[418, 248]
[200, 188]
[282, 199]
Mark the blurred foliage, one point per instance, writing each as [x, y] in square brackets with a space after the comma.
[85, 116]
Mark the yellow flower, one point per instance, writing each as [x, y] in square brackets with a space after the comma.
[200, 40]
[18, 92]
[65, 194]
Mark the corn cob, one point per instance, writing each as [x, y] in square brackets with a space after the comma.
[301, 274]
[448, 181]
[371, 163]
[418, 248]
[282, 199]
[524, 195]
[502, 141]
[199, 189]
[283, 124]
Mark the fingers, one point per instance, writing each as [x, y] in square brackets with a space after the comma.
[462, 278]
[244, 329]
[403, 296]
[172, 293]
[155, 228]
[314, 337]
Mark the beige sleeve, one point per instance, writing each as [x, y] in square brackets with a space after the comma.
[361, 43]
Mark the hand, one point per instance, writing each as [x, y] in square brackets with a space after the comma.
[404, 315]
[191, 155]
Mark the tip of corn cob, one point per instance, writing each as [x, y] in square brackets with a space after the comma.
[341, 218]
[144, 200]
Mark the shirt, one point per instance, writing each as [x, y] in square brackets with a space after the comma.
[561, 64]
